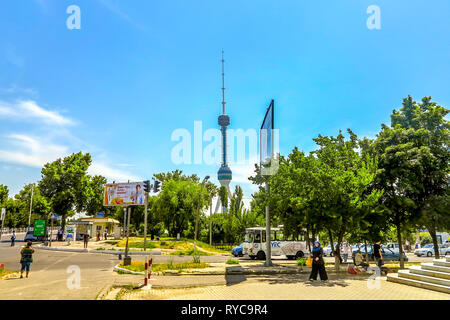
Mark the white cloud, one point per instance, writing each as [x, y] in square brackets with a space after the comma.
[110, 173]
[35, 152]
[31, 110]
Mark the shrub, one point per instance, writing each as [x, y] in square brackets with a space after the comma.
[301, 262]
[232, 261]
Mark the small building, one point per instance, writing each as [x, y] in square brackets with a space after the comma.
[101, 224]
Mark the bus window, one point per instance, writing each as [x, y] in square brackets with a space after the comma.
[258, 237]
[249, 237]
[263, 237]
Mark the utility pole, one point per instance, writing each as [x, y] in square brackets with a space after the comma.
[127, 259]
[3, 216]
[198, 212]
[31, 206]
[124, 233]
[145, 221]
[268, 262]
[210, 223]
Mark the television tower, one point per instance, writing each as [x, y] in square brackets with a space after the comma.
[224, 174]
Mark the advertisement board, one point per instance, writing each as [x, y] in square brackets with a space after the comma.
[39, 228]
[124, 194]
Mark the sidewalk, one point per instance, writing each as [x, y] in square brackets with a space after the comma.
[285, 287]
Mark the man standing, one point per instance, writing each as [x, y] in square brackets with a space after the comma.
[106, 234]
[26, 259]
[377, 254]
[13, 238]
[86, 240]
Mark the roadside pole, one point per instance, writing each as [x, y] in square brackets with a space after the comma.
[145, 239]
[210, 223]
[127, 259]
[51, 229]
[268, 262]
[124, 233]
[31, 206]
[3, 216]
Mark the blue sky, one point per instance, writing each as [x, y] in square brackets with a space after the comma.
[138, 70]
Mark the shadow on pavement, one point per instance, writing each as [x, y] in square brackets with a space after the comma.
[231, 278]
[301, 279]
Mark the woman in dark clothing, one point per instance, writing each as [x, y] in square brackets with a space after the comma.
[318, 265]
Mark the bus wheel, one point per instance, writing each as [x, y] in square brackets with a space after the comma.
[299, 255]
[261, 255]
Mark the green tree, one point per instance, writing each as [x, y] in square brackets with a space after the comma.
[66, 183]
[414, 171]
[95, 195]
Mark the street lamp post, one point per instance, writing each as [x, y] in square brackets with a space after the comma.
[198, 211]
[31, 206]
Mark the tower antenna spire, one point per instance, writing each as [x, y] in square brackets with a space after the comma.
[223, 84]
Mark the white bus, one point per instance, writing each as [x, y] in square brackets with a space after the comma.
[255, 244]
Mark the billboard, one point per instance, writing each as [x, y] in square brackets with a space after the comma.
[39, 228]
[266, 136]
[124, 194]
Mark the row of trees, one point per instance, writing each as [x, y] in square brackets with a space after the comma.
[66, 188]
[358, 189]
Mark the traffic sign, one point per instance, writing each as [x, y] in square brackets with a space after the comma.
[39, 227]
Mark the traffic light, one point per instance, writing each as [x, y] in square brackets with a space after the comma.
[147, 186]
[156, 186]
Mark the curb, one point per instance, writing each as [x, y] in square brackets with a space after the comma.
[142, 253]
[10, 275]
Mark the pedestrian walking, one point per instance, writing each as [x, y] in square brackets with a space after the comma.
[407, 245]
[26, 258]
[13, 238]
[106, 234]
[377, 254]
[98, 235]
[318, 264]
[86, 240]
[60, 234]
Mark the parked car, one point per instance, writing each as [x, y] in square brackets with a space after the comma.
[237, 251]
[327, 252]
[393, 246]
[31, 237]
[428, 250]
[446, 251]
[447, 243]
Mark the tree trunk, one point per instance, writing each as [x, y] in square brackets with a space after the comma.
[367, 252]
[400, 246]
[313, 232]
[432, 231]
[307, 239]
[337, 257]
[330, 235]
[63, 221]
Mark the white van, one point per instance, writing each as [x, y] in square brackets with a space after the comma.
[255, 244]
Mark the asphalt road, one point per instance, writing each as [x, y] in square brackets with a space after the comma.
[51, 277]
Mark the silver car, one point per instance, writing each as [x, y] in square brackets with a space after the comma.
[428, 250]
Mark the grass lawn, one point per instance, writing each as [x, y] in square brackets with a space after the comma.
[182, 247]
[139, 266]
